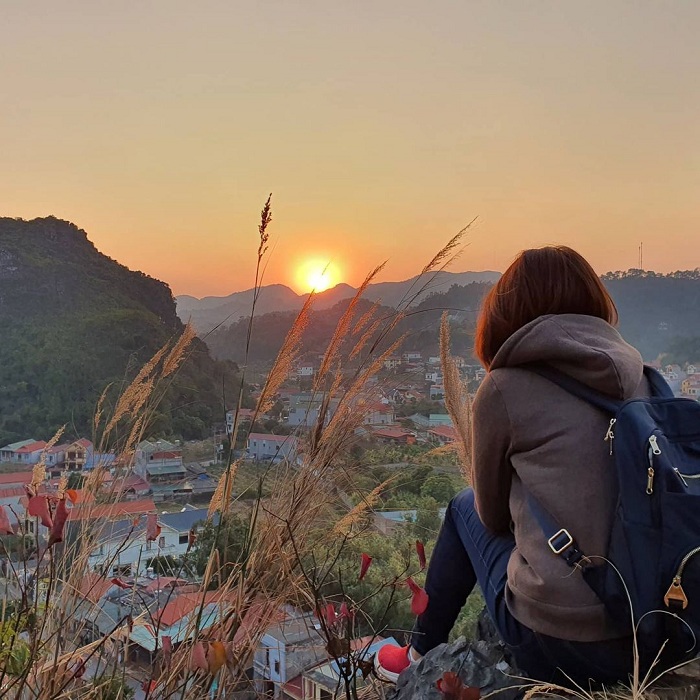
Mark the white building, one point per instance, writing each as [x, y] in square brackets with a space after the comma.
[124, 551]
[271, 448]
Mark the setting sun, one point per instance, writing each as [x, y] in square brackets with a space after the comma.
[317, 275]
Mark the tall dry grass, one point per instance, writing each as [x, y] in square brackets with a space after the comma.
[42, 657]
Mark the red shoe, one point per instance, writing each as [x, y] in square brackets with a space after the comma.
[389, 661]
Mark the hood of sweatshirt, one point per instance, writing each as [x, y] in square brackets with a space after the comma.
[585, 347]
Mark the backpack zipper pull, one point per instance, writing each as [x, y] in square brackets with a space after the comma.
[675, 593]
[610, 435]
[650, 481]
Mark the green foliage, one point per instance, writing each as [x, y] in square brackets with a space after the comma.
[15, 653]
[439, 486]
[682, 351]
[167, 565]
[75, 321]
[229, 539]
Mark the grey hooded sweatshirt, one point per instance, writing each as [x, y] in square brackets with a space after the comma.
[530, 436]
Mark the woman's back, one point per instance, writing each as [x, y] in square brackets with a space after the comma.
[532, 437]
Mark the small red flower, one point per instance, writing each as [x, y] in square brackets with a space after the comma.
[5, 527]
[191, 538]
[364, 565]
[419, 598]
[420, 550]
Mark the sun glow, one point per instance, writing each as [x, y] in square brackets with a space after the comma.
[317, 275]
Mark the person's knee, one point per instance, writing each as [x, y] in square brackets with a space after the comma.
[463, 502]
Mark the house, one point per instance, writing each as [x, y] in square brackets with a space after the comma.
[430, 421]
[245, 415]
[77, 454]
[480, 375]
[271, 448]
[305, 409]
[8, 453]
[29, 453]
[691, 387]
[394, 435]
[437, 392]
[378, 414]
[159, 462]
[392, 362]
[124, 551]
[433, 376]
[305, 371]
[286, 650]
[410, 356]
[442, 435]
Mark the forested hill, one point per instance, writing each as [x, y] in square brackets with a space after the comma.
[656, 312]
[74, 320]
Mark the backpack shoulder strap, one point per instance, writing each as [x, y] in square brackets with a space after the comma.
[659, 386]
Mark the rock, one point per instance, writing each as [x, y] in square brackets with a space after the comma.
[484, 663]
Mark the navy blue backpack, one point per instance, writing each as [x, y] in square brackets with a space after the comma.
[655, 539]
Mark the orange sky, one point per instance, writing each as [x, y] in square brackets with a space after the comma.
[380, 127]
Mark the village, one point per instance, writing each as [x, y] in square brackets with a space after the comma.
[132, 573]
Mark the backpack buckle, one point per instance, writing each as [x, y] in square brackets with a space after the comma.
[560, 541]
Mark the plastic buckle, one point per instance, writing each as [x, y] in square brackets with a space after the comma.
[562, 533]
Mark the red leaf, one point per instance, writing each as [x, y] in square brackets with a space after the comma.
[167, 645]
[120, 583]
[38, 507]
[5, 527]
[329, 614]
[59, 523]
[419, 598]
[191, 538]
[152, 527]
[345, 613]
[364, 565]
[73, 495]
[198, 659]
[149, 686]
[420, 550]
[216, 656]
[451, 687]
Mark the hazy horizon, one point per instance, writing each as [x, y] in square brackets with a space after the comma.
[380, 129]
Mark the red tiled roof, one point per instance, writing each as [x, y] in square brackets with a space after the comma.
[112, 511]
[294, 688]
[12, 492]
[390, 432]
[162, 582]
[32, 447]
[16, 478]
[176, 608]
[93, 586]
[445, 431]
[166, 455]
[83, 442]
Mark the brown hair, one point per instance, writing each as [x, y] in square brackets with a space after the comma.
[550, 280]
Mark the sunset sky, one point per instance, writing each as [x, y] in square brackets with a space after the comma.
[380, 127]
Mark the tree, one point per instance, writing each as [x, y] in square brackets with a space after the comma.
[438, 486]
[229, 538]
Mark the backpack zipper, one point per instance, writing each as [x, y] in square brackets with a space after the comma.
[610, 434]
[654, 449]
[675, 591]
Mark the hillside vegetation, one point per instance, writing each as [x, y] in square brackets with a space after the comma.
[74, 320]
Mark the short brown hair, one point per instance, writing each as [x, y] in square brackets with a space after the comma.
[550, 280]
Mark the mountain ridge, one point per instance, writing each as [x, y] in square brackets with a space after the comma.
[212, 311]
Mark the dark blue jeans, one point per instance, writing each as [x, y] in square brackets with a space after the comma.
[465, 554]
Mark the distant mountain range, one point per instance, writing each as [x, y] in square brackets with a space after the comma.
[209, 312]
